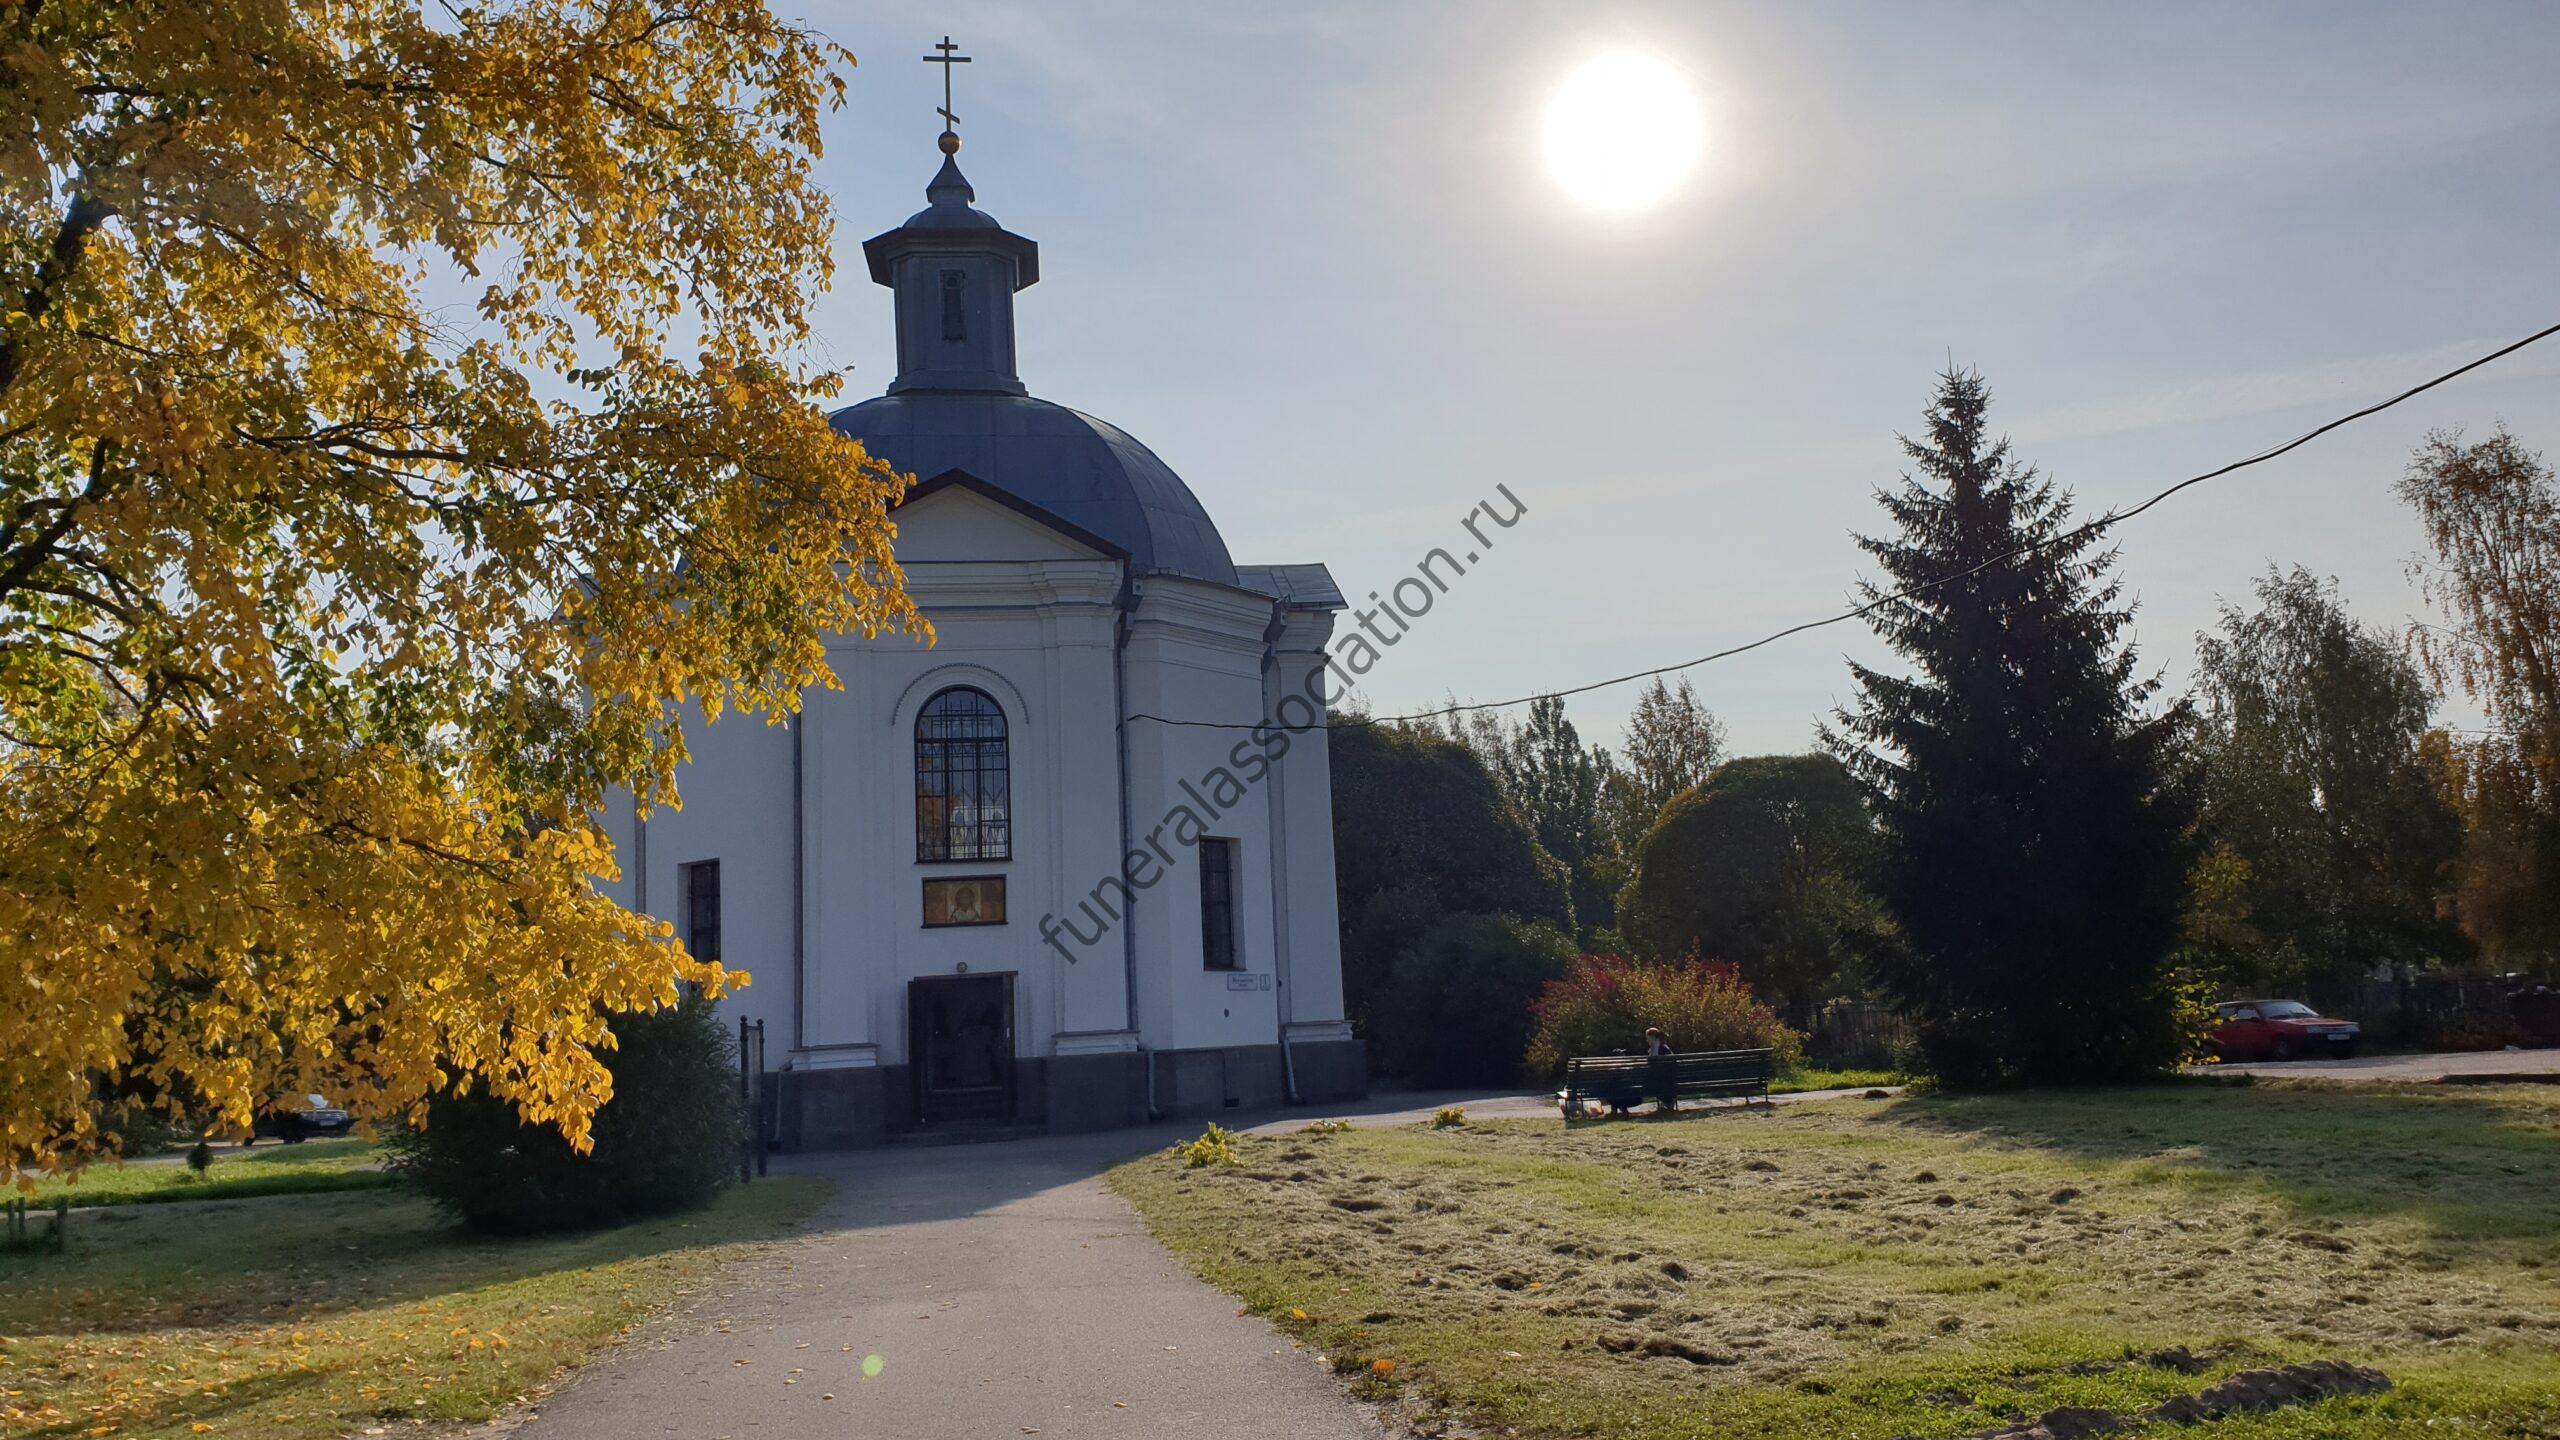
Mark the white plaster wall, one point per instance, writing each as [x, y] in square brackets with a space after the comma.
[1195, 653]
[1034, 631]
[736, 809]
[1307, 919]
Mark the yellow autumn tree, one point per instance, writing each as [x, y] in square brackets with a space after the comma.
[400, 436]
[2492, 513]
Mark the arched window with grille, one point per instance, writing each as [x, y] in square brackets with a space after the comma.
[964, 779]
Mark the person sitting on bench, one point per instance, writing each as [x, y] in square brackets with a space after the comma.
[1665, 1076]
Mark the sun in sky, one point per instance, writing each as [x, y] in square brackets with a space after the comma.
[1624, 131]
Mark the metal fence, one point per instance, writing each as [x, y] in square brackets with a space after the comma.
[17, 1225]
[755, 1099]
[2466, 1011]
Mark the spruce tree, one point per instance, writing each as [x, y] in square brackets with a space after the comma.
[2033, 849]
[1557, 782]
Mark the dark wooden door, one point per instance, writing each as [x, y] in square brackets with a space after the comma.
[960, 1047]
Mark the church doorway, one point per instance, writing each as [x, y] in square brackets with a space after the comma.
[960, 1047]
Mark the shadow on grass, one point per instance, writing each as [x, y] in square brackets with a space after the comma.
[2469, 1164]
[173, 1413]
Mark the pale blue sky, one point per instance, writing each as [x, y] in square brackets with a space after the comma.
[1310, 256]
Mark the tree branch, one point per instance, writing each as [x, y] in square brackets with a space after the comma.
[82, 220]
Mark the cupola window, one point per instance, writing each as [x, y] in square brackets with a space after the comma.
[954, 325]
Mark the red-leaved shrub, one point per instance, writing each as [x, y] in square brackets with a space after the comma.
[1604, 1003]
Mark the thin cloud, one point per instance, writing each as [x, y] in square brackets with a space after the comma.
[2265, 392]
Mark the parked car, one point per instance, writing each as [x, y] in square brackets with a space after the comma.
[2280, 1030]
[296, 1118]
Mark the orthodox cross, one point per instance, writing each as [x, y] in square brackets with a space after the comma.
[949, 57]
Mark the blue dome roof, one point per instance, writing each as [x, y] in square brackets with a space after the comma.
[948, 199]
[1085, 472]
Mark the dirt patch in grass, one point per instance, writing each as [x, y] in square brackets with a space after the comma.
[1923, 1267]
[321, 1315]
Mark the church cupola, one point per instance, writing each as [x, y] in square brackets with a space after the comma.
[958, 403]
[954, 271]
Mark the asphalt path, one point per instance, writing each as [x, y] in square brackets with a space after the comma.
[2480, 1066]
[961, 1290]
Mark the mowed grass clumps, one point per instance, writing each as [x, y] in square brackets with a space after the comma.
[325, 1315]
[1932, 1266]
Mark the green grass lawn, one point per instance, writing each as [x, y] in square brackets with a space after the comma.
[1796, 1082]
[1927, 1266]
[322, 1315]
[315, 1165]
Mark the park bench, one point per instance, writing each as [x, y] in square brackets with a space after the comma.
[1622, 1082]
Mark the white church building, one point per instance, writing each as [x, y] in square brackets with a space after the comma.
[987, 884]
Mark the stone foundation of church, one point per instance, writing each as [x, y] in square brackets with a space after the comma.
[1251, 1077]
[1330, 1071]
[1096, 1092]
[855, 1109]
[833, 1109]
[1204, 1082]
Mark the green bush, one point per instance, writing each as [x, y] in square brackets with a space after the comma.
[668, 1140]
[131, 1128]
[1387, 924]
[1604, 1005]
[1417, 811]
[1764, 867]
[1421, 832]
[1455, 1008]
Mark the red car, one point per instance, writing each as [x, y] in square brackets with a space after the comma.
[2280, 1030]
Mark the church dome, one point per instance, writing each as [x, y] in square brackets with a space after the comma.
[1084, 471]
[957, 402]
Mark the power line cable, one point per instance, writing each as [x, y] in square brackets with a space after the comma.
[2068, 537]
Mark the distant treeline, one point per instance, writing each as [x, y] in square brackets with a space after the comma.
[2016, 837]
